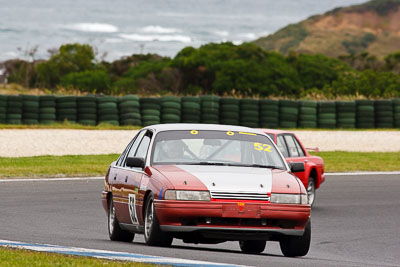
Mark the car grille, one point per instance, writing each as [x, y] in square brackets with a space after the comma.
[240, 195]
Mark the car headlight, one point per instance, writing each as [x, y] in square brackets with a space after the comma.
[289, 198]
[187, 195]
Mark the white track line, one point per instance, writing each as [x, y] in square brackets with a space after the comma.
[361, 173]
[110, 255]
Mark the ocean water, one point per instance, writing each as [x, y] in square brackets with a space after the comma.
[119, 28]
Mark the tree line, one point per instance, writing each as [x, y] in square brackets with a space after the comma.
[221, 69]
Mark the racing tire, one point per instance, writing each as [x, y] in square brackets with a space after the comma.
[153, 235]
[296, 246]
[311, 191]
[114, 230]
[252, 246]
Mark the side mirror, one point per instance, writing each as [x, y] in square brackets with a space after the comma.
[135, 162]
[297, 167]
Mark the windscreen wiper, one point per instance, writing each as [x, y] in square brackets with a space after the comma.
[259, 166]
[213, 163]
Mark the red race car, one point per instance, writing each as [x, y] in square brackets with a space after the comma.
[207, 184]
[293, 151]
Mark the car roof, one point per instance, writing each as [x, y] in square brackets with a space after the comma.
[201, 126]
[274, 131]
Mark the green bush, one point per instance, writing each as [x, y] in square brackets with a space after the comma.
[70, 58]
[94, 81]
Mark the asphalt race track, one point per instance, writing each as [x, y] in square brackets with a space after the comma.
[356, 223]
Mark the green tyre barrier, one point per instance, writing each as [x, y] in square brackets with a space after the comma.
[127, 116]
[12, 116]
[30, 116]
[208, 105]
[108, 117]
[289, 111]
[327, 116]
[111, 122]
[129, 98]
[107, 111]
[16, 104]
[43, 116]
[150, 118]
[46, 121]
[147, 123]
[107, 105]
[47, 104]
[30, 121]
[129, 104]
[229, 108]
[288, 103]
[171, 111]
[66, 99]
[106, 99]
[308, 104]
[87, 110]
[131, 122]
[49, 110]
[87, 122]
[308, 110]
[287, 124]
[151, 112]
[171, 117]
[195, 99]
[308, 118]
[249, 113]
[87, 117]
[31, 104]
[210, 116]
[307, 124]
[229, 115]
[11, 121]
[153, 106]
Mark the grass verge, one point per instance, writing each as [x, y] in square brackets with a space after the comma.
[96, 165]
[15, 257]
[56, 166]
[340, 161]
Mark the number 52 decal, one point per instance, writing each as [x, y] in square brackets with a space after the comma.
[260, 147]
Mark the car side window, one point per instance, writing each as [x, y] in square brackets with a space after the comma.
[144, 146]
[301, 152]
[134, 146]
[280, 142]
[122, 156]
[293, 152]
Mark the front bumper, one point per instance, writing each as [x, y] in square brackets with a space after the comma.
[239, 217]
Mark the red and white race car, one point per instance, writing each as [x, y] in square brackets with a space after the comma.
[207, 184]
[294, 151]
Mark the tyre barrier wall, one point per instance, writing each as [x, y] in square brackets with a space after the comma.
[265, 113]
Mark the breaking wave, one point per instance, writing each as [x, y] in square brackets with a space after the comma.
[92, 27]
[159, 29]
[221, 33]
[157, 37]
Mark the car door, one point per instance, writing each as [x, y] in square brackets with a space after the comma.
[294, 152]
[132, 181]
[121, 178]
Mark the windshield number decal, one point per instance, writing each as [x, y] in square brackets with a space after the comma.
[194, 132]
[230, 133]
[260, 147]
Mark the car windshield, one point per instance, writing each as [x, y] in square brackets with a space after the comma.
[225, 148]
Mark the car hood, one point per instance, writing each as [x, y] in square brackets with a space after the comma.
[218, 179]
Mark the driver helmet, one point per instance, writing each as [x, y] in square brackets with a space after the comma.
[174, 149]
